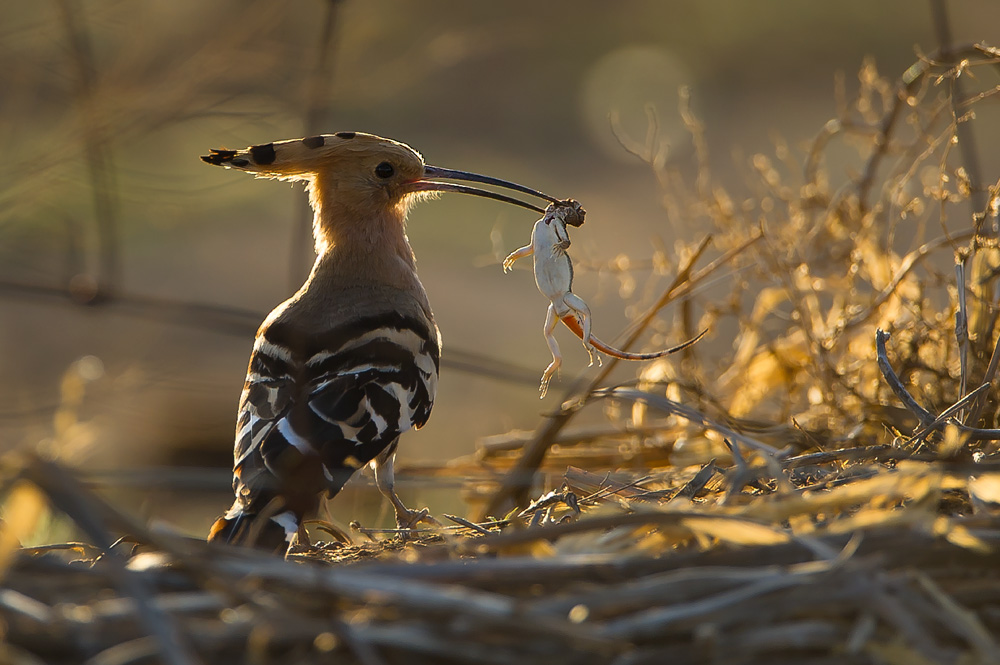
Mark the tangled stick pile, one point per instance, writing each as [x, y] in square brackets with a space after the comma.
[855, 556]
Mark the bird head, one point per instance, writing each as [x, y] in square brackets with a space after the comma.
[361, 172]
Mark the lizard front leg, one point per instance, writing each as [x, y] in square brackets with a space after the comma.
[562, 242]
[551, 319]
[519, 253]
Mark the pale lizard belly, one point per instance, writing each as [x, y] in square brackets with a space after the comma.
[553, 275]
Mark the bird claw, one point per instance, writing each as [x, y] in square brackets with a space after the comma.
[300, 543]
[407, 519]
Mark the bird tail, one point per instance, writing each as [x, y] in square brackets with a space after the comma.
[267, 530]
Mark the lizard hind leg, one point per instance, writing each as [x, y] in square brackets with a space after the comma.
[582, 311]
[551, 319]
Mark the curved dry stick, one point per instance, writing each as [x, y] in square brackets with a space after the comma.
[945, 417]
[889, 374]
[928, 420]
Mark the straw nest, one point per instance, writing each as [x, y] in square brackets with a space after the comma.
[853, 556]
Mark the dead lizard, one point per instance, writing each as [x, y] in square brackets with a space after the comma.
[554, 278]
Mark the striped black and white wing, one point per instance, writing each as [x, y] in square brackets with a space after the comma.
[315, 408]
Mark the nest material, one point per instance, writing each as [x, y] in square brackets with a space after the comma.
[808, 560]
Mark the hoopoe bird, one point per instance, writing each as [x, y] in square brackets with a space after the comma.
[350, 362]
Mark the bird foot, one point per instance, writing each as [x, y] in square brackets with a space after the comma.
[299, 544]
[407, 519]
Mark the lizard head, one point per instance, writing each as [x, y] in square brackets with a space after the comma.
[569, 210]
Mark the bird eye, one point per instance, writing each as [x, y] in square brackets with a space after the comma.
[384, 170]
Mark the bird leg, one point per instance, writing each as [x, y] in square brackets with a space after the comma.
[385, 480]
[299, 542]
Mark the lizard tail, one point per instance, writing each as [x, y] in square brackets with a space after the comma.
[570, 322]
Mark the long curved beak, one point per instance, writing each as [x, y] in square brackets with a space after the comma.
[425, 185]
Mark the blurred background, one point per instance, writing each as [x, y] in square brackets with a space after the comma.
[132, 276]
